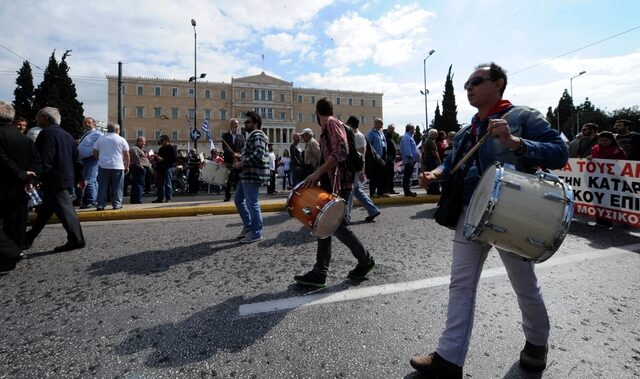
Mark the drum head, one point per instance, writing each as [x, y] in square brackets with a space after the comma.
[482, 201]
[329, 218]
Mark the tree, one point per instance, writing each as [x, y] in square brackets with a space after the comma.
[57, 90]
[632, 114]
[24, 94]
[564, 112]
[449, 108]
[437, 122]
[587, 112]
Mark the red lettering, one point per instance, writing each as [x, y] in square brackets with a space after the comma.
[567, 167]
[627, 170]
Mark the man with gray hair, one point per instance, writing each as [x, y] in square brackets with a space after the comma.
[112, 153]
[61, 172]
[19, 162]
[410, 156]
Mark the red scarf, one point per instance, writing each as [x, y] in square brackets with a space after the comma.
[500, 106]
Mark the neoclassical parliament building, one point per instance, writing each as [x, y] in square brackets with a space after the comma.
[153, 106]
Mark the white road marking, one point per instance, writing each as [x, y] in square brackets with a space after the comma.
[386, 289]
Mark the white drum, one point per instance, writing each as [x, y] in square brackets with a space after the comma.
[528, 215]
[214, 173]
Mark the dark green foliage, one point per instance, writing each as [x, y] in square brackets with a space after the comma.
[57, 90]
[24, 94]
[449, 109]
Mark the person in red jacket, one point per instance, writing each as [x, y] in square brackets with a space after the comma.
[607, 147]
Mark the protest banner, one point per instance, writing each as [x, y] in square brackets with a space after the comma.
[605, 188]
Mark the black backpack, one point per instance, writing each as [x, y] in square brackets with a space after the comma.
[354, 159]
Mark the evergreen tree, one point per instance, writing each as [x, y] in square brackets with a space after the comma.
[632, 114]
[564, 111]
[587, 112]
[57, 90]
[23, 94]
[437, 122]
[449, 109]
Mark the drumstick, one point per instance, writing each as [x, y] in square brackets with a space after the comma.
[234, 156]
[475, 147]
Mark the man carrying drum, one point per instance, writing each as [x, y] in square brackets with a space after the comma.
[334, 147]
[232, 145]
[523, 138]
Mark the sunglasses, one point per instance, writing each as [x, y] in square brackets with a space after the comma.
[476, 81]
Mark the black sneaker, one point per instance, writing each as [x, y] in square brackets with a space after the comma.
[372, 217]
[360, 272]
[533, 358]
[311, 279]
[436, 366]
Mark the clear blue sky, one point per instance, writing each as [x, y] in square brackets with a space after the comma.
[351, 45]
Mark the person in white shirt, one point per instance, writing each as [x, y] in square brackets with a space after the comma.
[112, 152]
[271, 188]
[358, 181]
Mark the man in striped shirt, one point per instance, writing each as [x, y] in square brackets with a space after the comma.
[255, 171]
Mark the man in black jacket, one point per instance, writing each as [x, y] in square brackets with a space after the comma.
[61, 172]
[297, 161]
[232, 145]
[19, 162]
[165, 160]
[389, 168]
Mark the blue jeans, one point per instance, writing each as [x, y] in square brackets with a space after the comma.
[164, 185]
[137, 184]
[115, 177]
[91, 176]
[248, 205]
[466, 267]
[364, 199]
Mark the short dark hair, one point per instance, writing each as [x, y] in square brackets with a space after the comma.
[608, 135]
[353, 122]
[625, 122]
[495, 73]
[255, 118]
[592, 126]
[324, 107]
[19, 119]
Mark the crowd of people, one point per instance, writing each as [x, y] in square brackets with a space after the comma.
[87, 168]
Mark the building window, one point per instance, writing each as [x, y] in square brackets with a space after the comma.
[156, 91]
[140, 112]
[282, 97]
[223, 95]
[243, 95]
[339, 117]
[269, 95]
[207, 114]
[363, 120]
[156, 135]
[313, 99]
[362, 102]
[192, 113]
[191, 92]
[207, 94]
[283, 116]
[373, 102]
[156, 112]
[139, 133]
[270, 113]
[140, 90]
[337, 101]
[174, 92]
[174, 113]
[350, 101]
[300, 119]
[174, 135]
[313, 118]
[223, 114]
[300, 98]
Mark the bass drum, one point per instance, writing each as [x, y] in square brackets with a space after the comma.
[528, 215]
[214, 173]
[318, 210]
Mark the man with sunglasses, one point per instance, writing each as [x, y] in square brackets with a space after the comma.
[255, 172]
[581, 146]
[521, 137]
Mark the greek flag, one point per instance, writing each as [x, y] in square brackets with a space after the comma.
[207, 132]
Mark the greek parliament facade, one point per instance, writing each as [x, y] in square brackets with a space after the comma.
[161, 106]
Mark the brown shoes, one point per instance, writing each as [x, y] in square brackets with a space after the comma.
[436, 366]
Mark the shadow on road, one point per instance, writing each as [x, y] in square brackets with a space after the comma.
[203, 334]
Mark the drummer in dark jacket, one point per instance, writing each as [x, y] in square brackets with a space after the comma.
[335, 149]
[232, 144]
[167, 156]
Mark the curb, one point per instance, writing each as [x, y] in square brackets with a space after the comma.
[219, 209]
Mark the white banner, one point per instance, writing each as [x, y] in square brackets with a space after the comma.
[605, 188]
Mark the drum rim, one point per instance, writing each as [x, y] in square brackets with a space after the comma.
[564, 225]
[290, 196]
[337, 199]
[493, 198]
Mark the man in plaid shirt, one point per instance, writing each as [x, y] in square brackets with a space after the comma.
[255, 171]
[335, 148]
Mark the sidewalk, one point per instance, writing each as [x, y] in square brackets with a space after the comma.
[186, 205]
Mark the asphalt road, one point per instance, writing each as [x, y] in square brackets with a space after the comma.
[180, 297]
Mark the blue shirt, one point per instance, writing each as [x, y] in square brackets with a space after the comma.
[377, 141]
[85, 147]
[408, 149]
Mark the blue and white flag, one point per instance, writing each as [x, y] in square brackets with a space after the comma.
[207, 132]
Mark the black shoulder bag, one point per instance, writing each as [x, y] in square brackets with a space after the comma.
[452, 196]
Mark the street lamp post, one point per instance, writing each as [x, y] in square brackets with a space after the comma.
[194, 78]
[426, 92]
[571, 89]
